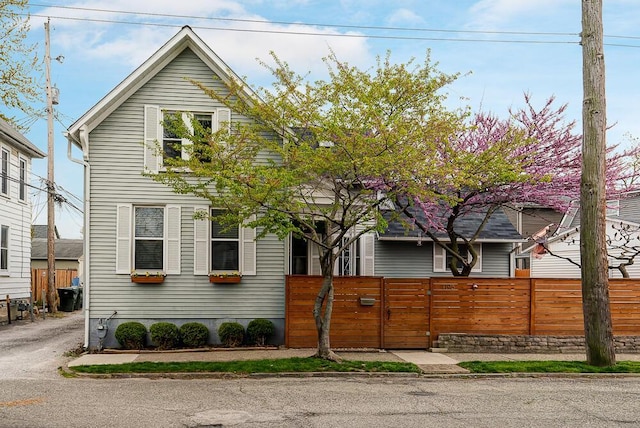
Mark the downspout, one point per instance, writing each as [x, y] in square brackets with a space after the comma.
[83, 142]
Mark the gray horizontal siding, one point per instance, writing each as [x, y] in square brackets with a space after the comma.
[408, 260]
[116, 158]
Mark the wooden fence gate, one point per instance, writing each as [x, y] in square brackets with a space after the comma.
[406, 314]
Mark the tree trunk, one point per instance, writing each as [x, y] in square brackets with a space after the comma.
[593, 247]
[322, 310]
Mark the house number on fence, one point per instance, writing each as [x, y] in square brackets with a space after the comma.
[448, 286]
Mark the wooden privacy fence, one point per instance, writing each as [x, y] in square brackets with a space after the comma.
[40, 280]
[411, 313]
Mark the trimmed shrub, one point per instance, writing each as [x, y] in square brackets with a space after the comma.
[231, 334]
[131, 335]
[165, 334]
[194, 334]
[259, 331]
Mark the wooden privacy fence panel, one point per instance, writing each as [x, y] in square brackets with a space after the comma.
[480, 306]
[40, 280]
[352, 323]
[557, 307]
[624, 297]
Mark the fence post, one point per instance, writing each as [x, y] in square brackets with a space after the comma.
[8, 309]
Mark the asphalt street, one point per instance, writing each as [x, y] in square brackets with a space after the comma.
[33, 394]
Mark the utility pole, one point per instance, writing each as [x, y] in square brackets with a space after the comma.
[593, 245]
[51, 223]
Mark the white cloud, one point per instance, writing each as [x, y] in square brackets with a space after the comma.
[494, 13]
[404, 17]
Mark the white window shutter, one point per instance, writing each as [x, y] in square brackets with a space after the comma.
[367, 250]
[314, 259]
[224, 119]
[439, 258]
[152, 137]
[201, 243]
[187, 118]
[478, 266]
[123, 239]
[248, 249]
[173, 262]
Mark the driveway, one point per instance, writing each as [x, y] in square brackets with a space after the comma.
[34, 350]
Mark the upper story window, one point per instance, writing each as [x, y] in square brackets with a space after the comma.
[4, 171]
[22, 192]
[4, 249]
[200, 124]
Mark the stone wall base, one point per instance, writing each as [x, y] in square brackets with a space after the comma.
[501, 343]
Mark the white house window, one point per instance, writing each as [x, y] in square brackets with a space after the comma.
[171, 143]
[4, 249]
[202, 124]
[442, 258]
[349, 260]
[148, 238]
[221, 249]
[23, 180]
[225, 245]
[4, 172]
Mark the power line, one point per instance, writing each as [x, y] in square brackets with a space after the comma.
[308, 24]
[316, 24]
[304, 33]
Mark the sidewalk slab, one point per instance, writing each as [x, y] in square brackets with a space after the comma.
[422, 358]
[100, 359]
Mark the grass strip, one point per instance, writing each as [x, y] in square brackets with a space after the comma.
[547, 367]
[284, 365]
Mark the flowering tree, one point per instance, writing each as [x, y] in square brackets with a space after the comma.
[318, 160]
[532, 157]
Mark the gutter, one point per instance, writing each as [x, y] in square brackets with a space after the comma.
[83, 143]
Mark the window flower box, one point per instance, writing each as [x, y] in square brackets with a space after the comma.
[225, 277]
[148, 277]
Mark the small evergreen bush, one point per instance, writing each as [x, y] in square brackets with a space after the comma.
[194, 334]
[231, 334]
[165, 334]
[131, 335]
[260, 330]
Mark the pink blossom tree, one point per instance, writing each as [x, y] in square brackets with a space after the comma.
[534, 156]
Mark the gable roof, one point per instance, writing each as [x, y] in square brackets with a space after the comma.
[185, 38]
[11, 136]
[39, 231]
[497, 229]
[65, 249]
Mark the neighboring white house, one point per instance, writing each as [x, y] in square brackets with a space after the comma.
[623, 236]
[16, 153]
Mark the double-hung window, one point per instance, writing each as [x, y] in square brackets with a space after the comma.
[5, 155]
[225, 246]
[22, 191]
[442, 258]
[4, 249]
[222, 249]
[171, 145]
[148, 238]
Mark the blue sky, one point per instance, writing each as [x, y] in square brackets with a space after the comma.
[481, 39]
